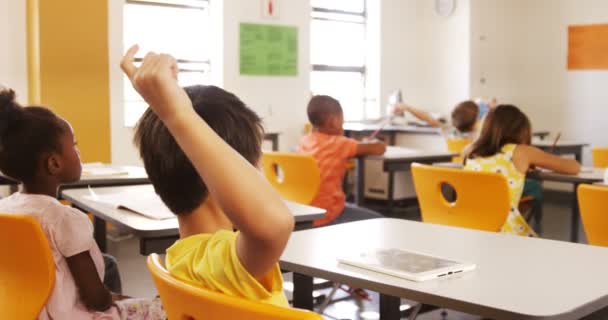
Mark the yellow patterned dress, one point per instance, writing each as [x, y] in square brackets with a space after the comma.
[502, 163]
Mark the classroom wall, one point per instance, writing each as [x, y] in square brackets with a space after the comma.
[280, 101]
[520, 48]
[424, 54]
[13, 56]
[69, 73]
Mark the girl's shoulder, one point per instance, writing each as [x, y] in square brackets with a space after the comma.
[509, 148]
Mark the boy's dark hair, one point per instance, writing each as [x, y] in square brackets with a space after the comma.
[464, 116]
[503, 125]
[26, 134]
[174, 177]
[320, 107]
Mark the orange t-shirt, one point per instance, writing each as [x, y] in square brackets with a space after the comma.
[332, 154]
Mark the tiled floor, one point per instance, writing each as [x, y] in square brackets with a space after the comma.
[137, 282]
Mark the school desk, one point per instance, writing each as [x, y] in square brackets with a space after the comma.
[360, 129]
[562, 147]
[132, 175]
[587, 175]
[273, 137]
[395, 159]
[154, 235]
[541, 134]
[516, 278]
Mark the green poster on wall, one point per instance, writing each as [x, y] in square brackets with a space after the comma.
[268, 50]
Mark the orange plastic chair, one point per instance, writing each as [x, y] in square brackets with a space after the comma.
[593, 204]
[27, 269]
[482, 198]
[295, 176]
[457, 145]
[182, 300]
[600, 157]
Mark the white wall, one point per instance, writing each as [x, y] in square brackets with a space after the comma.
[424, 54]
[13, 55]
[520, 48]
[280, 101]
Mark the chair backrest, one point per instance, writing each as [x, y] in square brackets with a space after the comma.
[182, 300]
[295, 176]
[600, 157]
[457, 145]
[593, 203]
[482, 198]
[27, 269]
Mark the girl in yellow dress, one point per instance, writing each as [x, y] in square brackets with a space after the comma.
[504, 147]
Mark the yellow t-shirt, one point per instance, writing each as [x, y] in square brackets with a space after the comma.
[211, 261]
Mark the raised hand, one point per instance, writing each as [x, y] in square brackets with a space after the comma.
[156, 82]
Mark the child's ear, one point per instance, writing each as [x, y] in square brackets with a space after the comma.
[53, 164]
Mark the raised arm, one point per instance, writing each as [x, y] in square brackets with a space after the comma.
[253, 206]
[420, 114]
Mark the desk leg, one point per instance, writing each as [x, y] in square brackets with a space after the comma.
[575, 217]
[99, 226]
[392, 140]
[360, 178]
[389, 307]
[579, 155]
[391, 190]
[302, 292]
[275, 143]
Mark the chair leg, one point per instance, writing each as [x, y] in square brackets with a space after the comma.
[538, 208]
[414, 313]
[329, 297]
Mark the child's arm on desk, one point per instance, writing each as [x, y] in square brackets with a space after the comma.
[249, 201]
[421, 115]
[371, 147]
[525, 157]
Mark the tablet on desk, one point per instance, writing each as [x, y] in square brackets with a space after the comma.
[406, 264]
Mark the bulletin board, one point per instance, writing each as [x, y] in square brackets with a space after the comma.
[268, 50]
[588, 47]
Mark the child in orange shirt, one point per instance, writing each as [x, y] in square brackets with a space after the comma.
[327, 144]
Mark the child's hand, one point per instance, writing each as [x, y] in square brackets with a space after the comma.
[493, 103]
[156, 82]
[400, 108]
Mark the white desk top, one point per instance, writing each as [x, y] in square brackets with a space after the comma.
[143, 225]
[403, 153]
[133, 173]
[548, 143]
[516, 277]
[365, 127]
[587, 175]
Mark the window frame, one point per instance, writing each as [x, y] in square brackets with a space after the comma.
[205, 63]
[354, 69]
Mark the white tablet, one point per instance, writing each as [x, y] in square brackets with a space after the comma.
[406, 264]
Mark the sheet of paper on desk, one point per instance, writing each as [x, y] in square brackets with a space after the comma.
[97, 169]
[399, 151]
[147, 204]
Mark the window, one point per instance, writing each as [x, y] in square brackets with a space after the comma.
[339, 53]
[177, 27]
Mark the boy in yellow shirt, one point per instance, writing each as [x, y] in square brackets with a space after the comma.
[200, 146]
